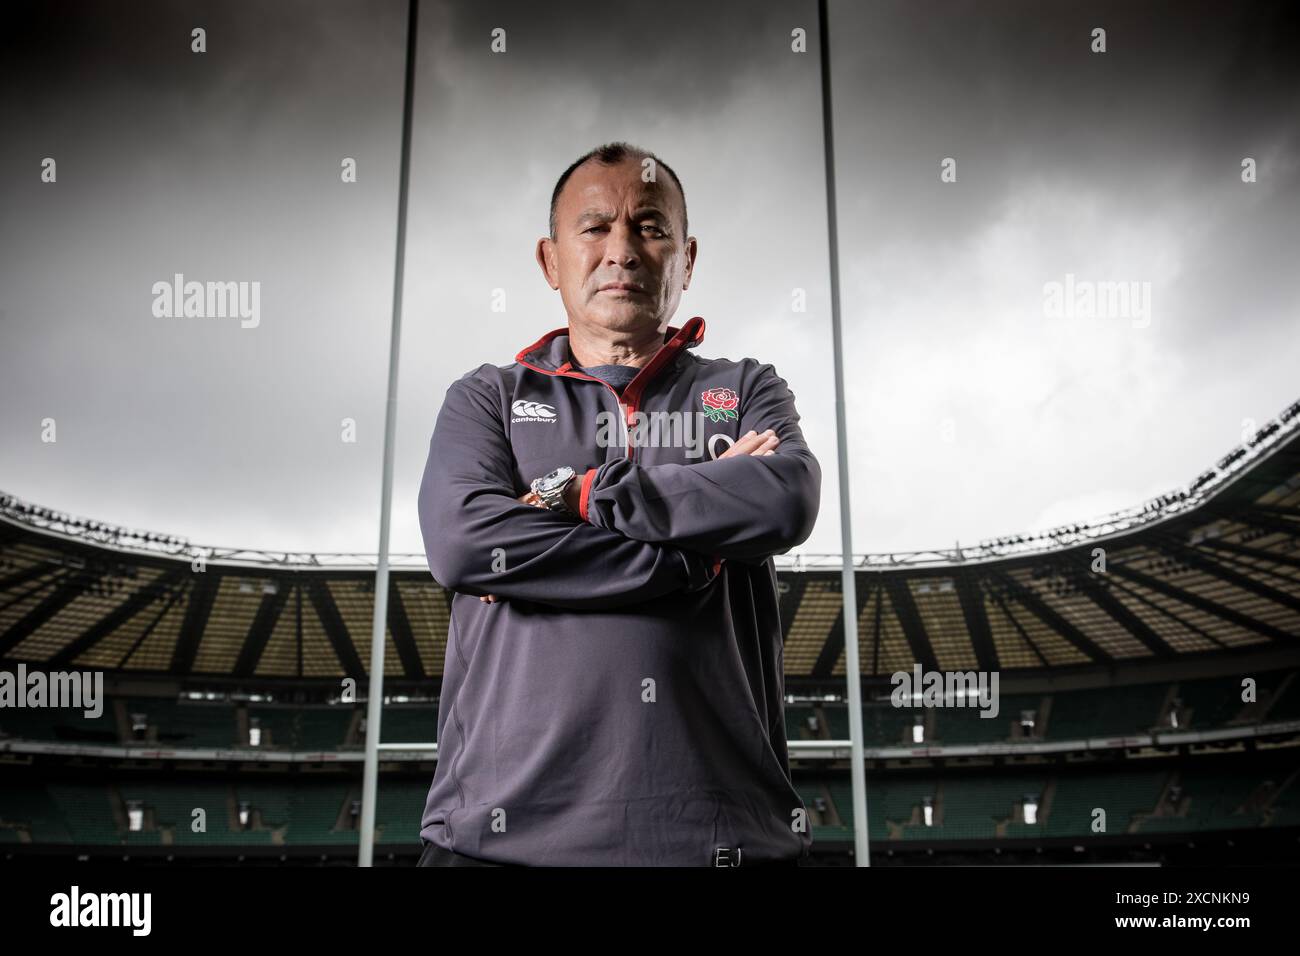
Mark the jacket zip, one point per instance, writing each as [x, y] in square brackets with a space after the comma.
[627, 445]
[630, 406]
[632, 392]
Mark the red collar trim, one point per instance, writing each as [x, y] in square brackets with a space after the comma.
[689, 335]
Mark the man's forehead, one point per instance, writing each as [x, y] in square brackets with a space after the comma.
[601, 193]
[604, 211]
[595, 186]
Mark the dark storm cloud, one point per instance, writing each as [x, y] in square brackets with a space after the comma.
[1014, 89]
[70, 56]
[694, 52]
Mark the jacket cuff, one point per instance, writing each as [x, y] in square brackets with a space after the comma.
[585, 493]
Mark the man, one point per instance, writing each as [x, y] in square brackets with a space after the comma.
[605, 510]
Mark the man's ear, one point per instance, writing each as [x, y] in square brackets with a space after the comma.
[546, 259]
[692, 248]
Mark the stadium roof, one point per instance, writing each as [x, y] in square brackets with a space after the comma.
[1211, 569]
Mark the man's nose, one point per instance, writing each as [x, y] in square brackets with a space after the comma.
[621, 249]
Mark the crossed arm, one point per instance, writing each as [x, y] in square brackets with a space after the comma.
[644, 530]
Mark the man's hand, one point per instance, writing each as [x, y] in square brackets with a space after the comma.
[753, 443]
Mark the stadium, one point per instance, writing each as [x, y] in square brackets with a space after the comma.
[1147, 699]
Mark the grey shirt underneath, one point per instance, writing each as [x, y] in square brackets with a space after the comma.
[616, 376]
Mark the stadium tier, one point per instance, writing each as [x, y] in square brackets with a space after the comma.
[1201, 573]
[970, 806]
[287, 812]
[1168, 706]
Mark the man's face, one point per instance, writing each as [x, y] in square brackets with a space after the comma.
[610, 227]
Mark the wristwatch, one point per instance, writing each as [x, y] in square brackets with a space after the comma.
[550, 488]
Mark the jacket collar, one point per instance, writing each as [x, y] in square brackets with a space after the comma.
[550, 353]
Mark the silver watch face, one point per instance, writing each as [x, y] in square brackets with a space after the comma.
[555, 479]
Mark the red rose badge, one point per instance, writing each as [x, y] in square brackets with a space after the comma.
[720, 404]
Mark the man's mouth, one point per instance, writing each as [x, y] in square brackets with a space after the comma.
[626, 288]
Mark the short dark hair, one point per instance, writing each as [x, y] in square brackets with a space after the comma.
[611, 154]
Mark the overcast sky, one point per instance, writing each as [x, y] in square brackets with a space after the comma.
[972, 412]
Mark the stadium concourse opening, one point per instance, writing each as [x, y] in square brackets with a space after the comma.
[1148, 703]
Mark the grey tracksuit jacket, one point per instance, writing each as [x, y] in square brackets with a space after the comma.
[621, 702]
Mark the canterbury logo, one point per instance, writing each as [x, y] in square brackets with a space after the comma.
[525, 411]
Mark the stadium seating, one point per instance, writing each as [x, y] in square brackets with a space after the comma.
[301, 811]
[964, 725]
[287, 812]
[409, 725]
[1063, 715]
[1105, 712]
[303, 728]
[185, 723]
[86, 810]
[306, 810]
[65, 725]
